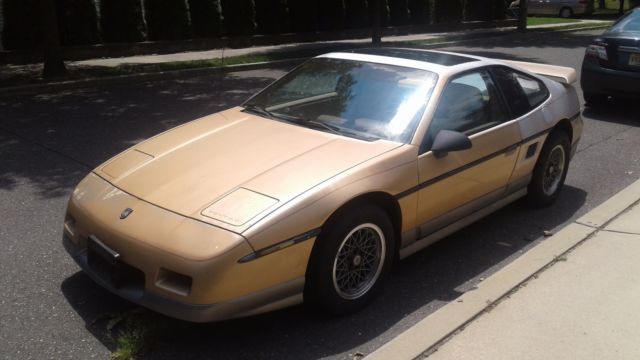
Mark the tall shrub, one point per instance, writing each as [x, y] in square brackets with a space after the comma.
[122, 21]
[166, 19]
[21, 28]
[239, 17]
[272, 16]
[77, 22]
[445, 11]
[331, 15]
[206, 18]
[399, 12]
[303, 15]
[420, 12]
[356, 13]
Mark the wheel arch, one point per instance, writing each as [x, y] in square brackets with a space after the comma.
[383, 200]
[564, 125]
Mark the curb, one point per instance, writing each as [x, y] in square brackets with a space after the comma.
[173, 74]
[435, 329]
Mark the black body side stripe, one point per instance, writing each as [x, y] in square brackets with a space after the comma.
[281, 245]
[469, 165]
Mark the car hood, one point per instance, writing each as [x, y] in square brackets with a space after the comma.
[231, 168]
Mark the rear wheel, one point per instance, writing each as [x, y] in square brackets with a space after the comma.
[550, 170]
[566, 12]
[350, 261]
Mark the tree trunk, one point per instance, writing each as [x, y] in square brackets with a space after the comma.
[376, 36]
[621, 9]
[53, 64]
[522, 16]
[602, 4]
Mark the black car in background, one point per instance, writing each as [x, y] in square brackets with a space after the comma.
[611, 65]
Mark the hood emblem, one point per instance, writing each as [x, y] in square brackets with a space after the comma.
[125, 213]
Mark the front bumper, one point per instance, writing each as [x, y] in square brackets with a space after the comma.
[598, 80]
[175, 265]
[279, 296]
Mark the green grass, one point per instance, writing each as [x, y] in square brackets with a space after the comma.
[535, 20]
[130, 343]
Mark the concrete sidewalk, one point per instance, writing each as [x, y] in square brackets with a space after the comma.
[586, 306]
[574, 296]
[226, 53]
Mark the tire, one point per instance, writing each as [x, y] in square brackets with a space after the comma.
[550, 170]
[331, 282]
[566, 12]
[595, 99]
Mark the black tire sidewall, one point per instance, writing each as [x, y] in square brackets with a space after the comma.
[536, 195]
[319, 289]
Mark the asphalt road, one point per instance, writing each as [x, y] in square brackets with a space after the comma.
[48, 309]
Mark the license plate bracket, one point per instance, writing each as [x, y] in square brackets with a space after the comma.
[634, 59]
[104, 261]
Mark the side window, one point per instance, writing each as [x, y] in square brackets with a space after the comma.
[522, 92]
[469, 104]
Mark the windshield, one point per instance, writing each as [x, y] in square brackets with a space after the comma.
[353, 98]
[630, 22]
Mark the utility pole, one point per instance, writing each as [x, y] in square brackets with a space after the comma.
[376, 36]
[522, 16]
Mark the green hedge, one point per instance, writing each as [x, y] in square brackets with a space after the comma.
[331, 15]
[420, 12]
[239, 17]
[166, 19]
[122, 21]
[399, 12]
[77, 22]
[303, 15]
[447, 11]
[272, 16]
[206, 18]
[21, 28]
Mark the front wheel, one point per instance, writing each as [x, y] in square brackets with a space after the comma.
[350, 260]
[550, 170]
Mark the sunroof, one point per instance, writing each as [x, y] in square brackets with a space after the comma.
[419, 55]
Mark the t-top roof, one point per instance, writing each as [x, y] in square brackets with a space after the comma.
[419, 55]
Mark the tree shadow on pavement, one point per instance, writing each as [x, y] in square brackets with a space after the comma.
[88, 126]
[419, 285]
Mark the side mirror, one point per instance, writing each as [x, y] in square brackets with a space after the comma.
[447, 141]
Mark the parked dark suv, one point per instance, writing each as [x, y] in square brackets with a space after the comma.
[611, 65]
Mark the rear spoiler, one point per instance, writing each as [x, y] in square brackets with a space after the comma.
[565, 75]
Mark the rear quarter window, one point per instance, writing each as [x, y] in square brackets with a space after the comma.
[522, 92]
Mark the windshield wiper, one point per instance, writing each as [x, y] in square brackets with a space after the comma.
[259, 111]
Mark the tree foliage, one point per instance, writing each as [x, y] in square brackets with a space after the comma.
[399, 12]
[272, 16]
[420, 12]
[22, 25]
[303, 15]
[331, 15]
[447, 11]
[239, 17]
[206, 18]
[122, 21]
[77, 22]
[166, 19]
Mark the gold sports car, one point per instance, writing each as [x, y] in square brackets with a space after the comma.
[315, 186]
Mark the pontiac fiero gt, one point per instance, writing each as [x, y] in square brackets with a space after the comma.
[311, 189]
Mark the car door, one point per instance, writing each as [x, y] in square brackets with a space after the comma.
[461, 182]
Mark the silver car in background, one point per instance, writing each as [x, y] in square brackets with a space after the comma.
[562, 8]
